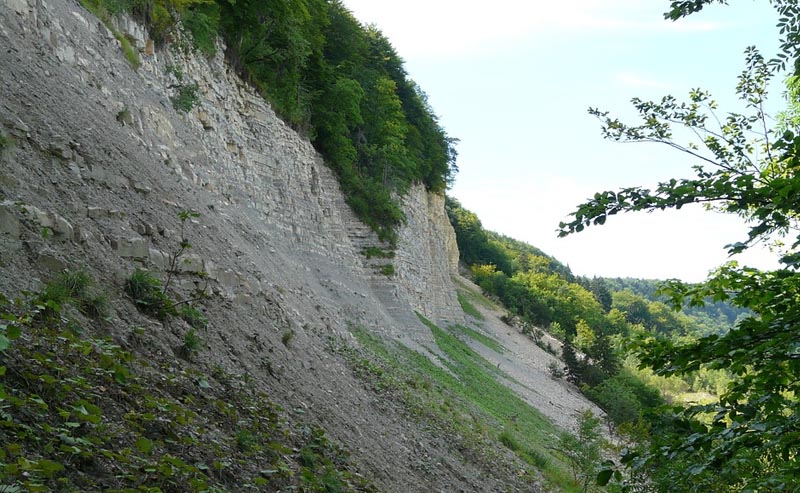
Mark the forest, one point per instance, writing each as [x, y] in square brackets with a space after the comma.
[336, 81]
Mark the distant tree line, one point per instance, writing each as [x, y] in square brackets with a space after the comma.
[594, 317]
[338, 82]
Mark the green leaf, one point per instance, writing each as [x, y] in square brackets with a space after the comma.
[144, 445]
[604, 477]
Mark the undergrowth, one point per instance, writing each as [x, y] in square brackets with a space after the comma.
[80, 413]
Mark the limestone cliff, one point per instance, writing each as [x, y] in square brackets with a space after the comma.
[108, 126]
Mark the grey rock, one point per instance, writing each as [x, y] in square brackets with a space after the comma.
[50, 261]
[136, 248]
[9, 224]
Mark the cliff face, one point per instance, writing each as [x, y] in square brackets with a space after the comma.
[103, 126]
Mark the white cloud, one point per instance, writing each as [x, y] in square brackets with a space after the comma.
[450, 27]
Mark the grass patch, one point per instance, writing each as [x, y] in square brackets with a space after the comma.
[474, 297]
[5, 142]
[148, 295]
[192, 316]
[482, 338]
[75, 288]
[128, 50]
[105, 10]
[467, 306]
[376, 252]
[461, 398]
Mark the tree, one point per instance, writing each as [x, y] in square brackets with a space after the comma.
[583, 450]
[749, 440]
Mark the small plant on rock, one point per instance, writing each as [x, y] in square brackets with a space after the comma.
[5, 142]
[186, 98]
[287, 337]
[193, 317]
[191, 342]
[148, 295]
[75, 288]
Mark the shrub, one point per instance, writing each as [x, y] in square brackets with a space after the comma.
[148, 295]
[186, 98]
[375, 252]
[556, 370]
[5, 142]
[193, 317]
[387, 270]
[202, 22]
[287, 337]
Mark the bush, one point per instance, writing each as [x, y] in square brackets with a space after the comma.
[186, 98]
[556, 370]
[148, 295]
[202, 21]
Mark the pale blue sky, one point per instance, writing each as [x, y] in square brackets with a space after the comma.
[513, 79]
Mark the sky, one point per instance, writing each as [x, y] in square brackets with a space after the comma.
[513, 79]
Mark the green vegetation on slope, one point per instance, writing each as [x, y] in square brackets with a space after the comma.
[464, 399]
[80, 413]
[592, 318]
[340, 83]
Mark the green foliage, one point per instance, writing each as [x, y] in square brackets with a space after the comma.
[287, 337]
[387, 270]
[192, 342]
[201, 18]
[583, 451]
[105, 10]
[130, 52]
[75, 288]
[375, 252]
[79, 413]
[5, 142]
[478, 336]
[464, 401]
[148, 295]
[186, 97]
[746, 440]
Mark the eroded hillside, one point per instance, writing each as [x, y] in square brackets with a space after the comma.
[98, 174]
